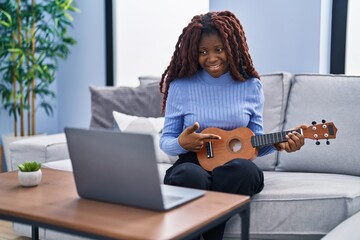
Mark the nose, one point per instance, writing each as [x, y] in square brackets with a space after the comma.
[212, 58]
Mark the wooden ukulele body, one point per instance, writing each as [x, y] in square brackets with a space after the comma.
[233, 144]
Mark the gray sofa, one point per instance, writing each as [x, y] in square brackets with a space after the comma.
[307, 194]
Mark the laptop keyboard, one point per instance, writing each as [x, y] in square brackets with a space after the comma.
[168, 199]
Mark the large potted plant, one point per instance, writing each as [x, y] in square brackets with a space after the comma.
[33, 37]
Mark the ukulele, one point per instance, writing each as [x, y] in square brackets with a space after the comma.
[242, 142]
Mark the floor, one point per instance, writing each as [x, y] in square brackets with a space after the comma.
[6, 232]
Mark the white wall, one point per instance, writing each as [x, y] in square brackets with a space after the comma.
[284, 35]
[352, 59]
[146, 34]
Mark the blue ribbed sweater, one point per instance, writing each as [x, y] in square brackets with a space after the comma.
[213, 102]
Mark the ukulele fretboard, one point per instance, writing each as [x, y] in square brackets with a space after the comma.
[270, 138]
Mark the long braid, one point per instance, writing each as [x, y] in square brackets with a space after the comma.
[184, 62]
[248, 63]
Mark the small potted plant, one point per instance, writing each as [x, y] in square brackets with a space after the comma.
[29, 173]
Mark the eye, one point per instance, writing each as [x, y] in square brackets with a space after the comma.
[219, 50]
[202, 52]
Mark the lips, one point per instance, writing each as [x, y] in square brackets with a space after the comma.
[214, 67]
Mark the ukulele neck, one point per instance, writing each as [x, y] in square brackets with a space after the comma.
[271, 138]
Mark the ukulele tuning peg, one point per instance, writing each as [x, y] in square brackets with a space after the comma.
[323, 121]
[313, 123]
[327, 142]
[317, 142]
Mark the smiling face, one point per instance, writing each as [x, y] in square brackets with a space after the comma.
[212, 57]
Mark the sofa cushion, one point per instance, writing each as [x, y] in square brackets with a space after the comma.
[153, 126]
[276, 90]
[334, 98]
[297, 205]
[145, 80]
[143, 101]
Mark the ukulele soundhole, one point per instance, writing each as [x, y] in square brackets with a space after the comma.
[235, 145]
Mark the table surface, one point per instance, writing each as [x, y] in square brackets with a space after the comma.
[55, 202]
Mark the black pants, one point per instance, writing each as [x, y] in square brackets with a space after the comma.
[238, 176]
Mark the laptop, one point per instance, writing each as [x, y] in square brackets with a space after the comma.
[121, 168]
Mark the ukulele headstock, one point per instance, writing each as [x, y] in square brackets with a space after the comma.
[325, 130]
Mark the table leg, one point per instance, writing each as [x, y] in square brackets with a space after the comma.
[34, 233]
[1, 152]
[245, 223]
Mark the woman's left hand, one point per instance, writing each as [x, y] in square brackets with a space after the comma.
[294, 141]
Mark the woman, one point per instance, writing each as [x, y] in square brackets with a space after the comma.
[211, 82]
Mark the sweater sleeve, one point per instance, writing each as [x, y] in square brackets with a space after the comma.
[256, 119]
[174, 122]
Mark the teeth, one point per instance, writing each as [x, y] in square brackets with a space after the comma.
[213, 67]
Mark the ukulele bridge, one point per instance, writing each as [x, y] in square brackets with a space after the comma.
[209, 150]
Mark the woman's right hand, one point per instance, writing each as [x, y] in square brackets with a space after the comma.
[192, 141]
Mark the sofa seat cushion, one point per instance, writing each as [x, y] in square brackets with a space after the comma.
[64, 165]
[296, 204]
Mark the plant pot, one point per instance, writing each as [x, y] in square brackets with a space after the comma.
[29, 179]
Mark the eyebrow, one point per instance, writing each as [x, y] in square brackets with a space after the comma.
[216, 46]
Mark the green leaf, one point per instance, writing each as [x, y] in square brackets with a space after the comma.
[69, 40]
[8, 16]
[29, 166]
[21, 167]
[14, 50]
[74, 9]
[69, 16]
[5, 23]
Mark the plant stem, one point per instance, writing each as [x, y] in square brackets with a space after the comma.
[13, 76]
[28, 90]
[33, 95]
[18, 16]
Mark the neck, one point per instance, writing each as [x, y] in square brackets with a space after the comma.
[271, 138]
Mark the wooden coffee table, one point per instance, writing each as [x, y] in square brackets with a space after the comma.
[55, 204]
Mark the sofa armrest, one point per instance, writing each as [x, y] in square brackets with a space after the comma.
[349, 229]
[43, 149]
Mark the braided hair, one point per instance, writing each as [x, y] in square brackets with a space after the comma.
[184, 62]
